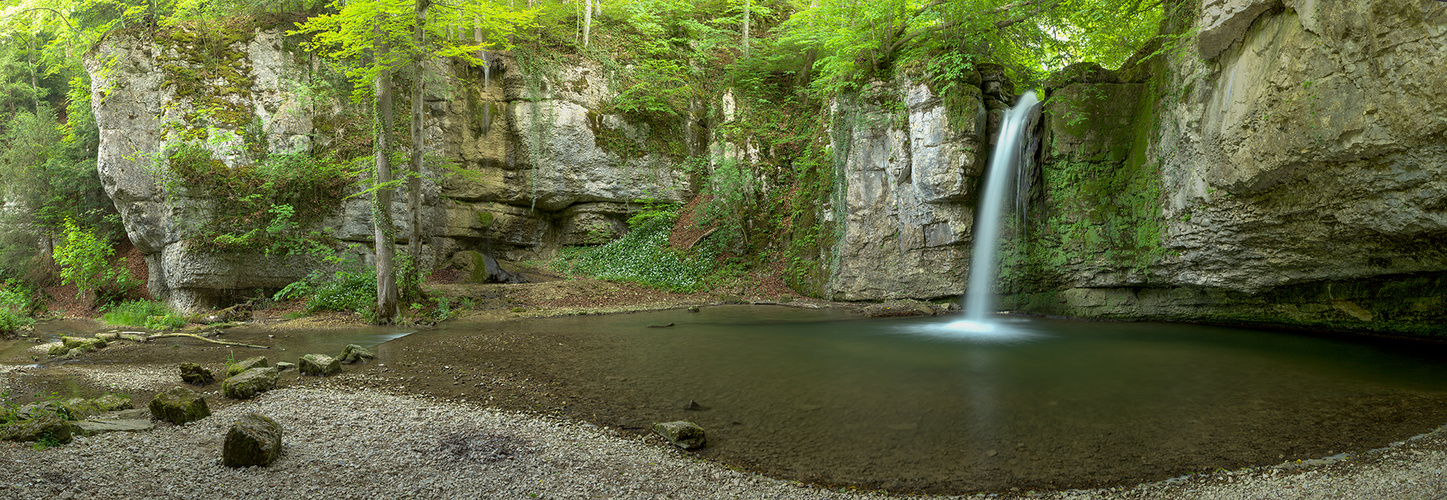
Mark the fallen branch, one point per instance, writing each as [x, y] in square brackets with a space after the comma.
[198, 337]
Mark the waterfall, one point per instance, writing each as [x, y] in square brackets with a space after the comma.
[1007, 165]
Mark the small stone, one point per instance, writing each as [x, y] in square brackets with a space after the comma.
[354, 353]
[249, 383]
[195, 374]
[246, 364]
[178, 406]
[686, 435]
[253, 440]
[320, 365]
[284, 366]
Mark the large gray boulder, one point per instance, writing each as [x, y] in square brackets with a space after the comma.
[179, 406]
[686, 435]
[249, 383]
[252, 441]
[320, 365]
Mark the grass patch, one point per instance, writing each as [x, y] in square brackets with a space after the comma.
[147, 314]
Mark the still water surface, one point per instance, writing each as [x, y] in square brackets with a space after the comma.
[911, 404]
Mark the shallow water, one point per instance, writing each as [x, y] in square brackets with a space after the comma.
[919, 405]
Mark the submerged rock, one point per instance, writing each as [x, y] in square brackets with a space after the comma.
[249, 383]
[354, 353]
[253, 440]
[178, 406]
[320, 365]
[195, 374]
[246, 364]
[686, 435]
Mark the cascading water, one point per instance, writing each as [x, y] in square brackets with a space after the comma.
[1006, 165]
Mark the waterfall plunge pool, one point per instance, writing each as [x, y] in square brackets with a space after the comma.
[925, 405]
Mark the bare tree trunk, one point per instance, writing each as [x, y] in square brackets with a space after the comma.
[414, 180]
[587, 21]
[748, 6]
[382, 197]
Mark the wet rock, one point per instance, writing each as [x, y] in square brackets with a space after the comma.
[319, 365]
[354, 353]
[112, 402]
[249, 383]
[252, 441]
[93, 427]
[195, 374]
[42, 427]
[686, 435]
[178, 406]
[246, 364]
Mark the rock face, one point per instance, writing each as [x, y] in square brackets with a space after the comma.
[1295, 176]
[178, 406]
[320, 365]
[686, 435]
[254, 440]
[544, 167]
[906, 209]
[248, 384]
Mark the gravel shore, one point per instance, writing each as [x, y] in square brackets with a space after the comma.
[362, 443]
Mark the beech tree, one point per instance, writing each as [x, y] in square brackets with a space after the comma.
[372, 39]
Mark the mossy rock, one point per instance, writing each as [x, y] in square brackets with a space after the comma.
[41, 428]
[686, 435]
[319, 365]
[254, 440]
[179, 406]
[354, 353]
[248, 384]
[112, 402]
[81, 408]
[246, 364]
[195, 374]
[58, 350]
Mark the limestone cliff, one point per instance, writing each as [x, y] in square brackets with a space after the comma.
[1284, 166]
[537, 164]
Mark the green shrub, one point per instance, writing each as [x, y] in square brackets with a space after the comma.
[352, 289]
[84, 262]
[143, 314]
[15, 307]
[644, 256]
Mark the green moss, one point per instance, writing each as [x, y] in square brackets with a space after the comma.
[206, 68]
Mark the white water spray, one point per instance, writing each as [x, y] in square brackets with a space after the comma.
[1004, 167]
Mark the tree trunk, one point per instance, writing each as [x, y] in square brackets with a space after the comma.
[414, 179]
[587, 20]
[382, 197]
[748, 6]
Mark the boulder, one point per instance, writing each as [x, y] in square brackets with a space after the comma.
[112, 402]
[178, 406]
[93, 427]
[320, 365]
[81, 408]
[248, 384]
[33, 410]
[195, 374]
[41, 428]
[253, 440]
[354, 353]
[246, 364]
[686, 435]
[284, 366]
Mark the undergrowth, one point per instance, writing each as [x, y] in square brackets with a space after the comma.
[16, 307]
[151, 315]
[644, 256]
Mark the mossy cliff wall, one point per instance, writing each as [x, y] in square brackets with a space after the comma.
[532, 162]
[1289, 166]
